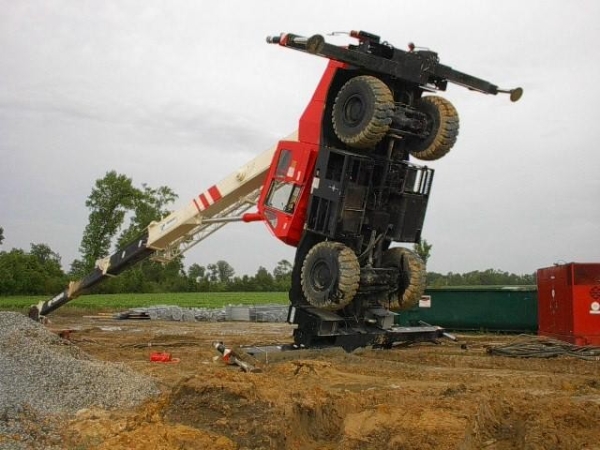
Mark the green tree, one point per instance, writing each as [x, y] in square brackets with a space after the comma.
[1, 235]
[212, 273]
[263, 280]
[113, 198]
[109, 201]
[48, 259]
[16, 273]
[282, 274]
[35, 273]
[219, 276]
[45, 255]
[224, 272]
[147, 205]
[242, 284]
[198, 278]
[282, 269]
[77, 268]
[197, 272]
[423, 249]
[212, 278]
[171, 277]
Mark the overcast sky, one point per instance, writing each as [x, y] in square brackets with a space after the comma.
[181, 93]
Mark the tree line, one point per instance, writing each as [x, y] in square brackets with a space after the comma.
[153, 277]
[489, 277]
[39, 272]
[120, 211]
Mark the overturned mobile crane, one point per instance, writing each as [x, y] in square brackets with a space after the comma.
[341, 190]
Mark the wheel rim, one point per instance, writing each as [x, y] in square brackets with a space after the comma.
[432, 124]
[354, 111]
[321, 276]
[330, 275]
[362, 112]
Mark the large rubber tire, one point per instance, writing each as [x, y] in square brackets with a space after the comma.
[442, 124]
[330, 275]
[411, 279]
[362, 112]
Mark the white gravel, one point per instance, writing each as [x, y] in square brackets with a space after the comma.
[43, 377]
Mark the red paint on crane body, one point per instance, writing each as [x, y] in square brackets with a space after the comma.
[283, 202]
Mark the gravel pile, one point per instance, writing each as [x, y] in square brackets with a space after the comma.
[42, 375]
[257, 313]
[172, 312]
[271, 313]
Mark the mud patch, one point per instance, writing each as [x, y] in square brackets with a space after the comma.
[230, 409]
[255, 415]
[98, 429]
[527, 424]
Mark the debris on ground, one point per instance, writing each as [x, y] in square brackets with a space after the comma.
[525, 346]
[231, 357]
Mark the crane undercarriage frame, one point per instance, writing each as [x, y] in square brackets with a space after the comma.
[319, 328]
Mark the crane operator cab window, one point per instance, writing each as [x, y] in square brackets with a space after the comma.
[283, 196]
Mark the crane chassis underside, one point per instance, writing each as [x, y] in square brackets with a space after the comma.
[317, 328]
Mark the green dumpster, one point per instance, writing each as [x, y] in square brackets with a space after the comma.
[506, 308]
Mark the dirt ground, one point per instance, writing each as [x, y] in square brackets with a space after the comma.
[424, 396]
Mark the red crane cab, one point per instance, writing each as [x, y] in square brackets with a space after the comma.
[284, 198]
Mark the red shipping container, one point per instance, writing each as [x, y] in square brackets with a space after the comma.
[569, 303]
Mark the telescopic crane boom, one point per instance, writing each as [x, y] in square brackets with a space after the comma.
[224, 202]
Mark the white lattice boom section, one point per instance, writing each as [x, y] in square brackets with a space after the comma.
[205, 229]
[210, 210]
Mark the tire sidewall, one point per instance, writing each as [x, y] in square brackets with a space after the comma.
[443, 127]
[336, 286]
[411, 276]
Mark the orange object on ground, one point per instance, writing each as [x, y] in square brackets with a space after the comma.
[162, 357]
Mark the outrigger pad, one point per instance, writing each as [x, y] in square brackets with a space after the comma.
[324, 329]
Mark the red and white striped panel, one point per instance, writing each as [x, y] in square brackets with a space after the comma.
[207, 198]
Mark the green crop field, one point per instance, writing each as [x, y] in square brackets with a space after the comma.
[126, 301]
